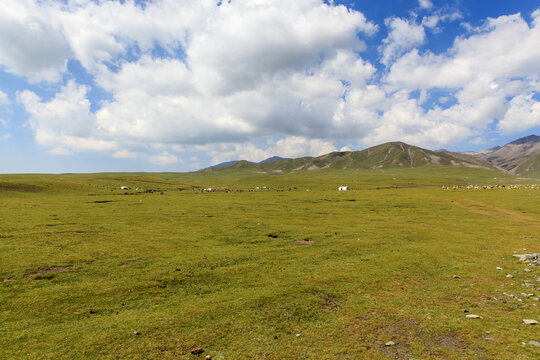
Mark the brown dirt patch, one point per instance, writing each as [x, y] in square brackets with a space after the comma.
[305, 241]
[331, 303]
[48, 270]
[494, 212]
[374, 330]
[130, 262]
[6, 186]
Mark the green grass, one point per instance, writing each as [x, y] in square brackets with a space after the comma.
[85, 267]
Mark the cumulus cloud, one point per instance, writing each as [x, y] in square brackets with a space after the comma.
[523, 114]
[124, 154]
[31, 45]
[165, 158]
[425, 4]
[480, 72]
[66, 120]
[403, 35]
[253, 79]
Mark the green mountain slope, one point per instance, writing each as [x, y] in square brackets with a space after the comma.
[388, 155]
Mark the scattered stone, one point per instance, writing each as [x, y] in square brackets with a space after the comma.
[297, 335]
[456, 276]
[530, 322]
[509, 276]
[472, 316]
[523, 257]
[208, 357]
[136, 333]
[390, 343]
[197, 351]
[499, 268]
[535, 299]
[534, 343]
[465, 310]
[504, 301]
[527, 270]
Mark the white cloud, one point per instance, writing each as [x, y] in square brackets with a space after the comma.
[165, 158]
[221, 79]
[425, 4]
[433, 21]
[65, 121]
[523, 114]
[403, 35]
[481, 71]
[124, 154]
[31, 45]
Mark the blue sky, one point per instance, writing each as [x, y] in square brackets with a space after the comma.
[89, 86]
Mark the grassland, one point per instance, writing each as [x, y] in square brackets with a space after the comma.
[294, 271]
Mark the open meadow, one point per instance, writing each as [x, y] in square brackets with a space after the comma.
[269, 266]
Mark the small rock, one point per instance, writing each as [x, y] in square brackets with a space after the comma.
[509, 276]
[456, 276]
[390, 343]
[527, 270]
[297, 335]
[534, 343]
[530, 322]
[208, 357]
[472, 316]
[197, 351]
[136, 333]
[499, 268]
[465, 310]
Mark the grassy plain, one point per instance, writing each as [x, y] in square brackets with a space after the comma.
[276, 273]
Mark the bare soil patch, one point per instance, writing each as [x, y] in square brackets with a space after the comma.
[48, 270]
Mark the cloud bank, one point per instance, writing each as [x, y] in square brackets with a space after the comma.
[252, 79]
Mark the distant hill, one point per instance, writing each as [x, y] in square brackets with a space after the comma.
[223, 164]
[392, 154]
[490, 151]
[271, 159]
[519, 157]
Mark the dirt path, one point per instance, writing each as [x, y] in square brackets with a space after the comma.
[495, 212]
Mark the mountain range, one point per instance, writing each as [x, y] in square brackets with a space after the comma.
[519, 157]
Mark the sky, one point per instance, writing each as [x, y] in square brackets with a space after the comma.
[179, 85]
